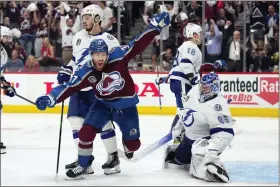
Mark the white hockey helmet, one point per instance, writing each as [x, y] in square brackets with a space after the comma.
[6, 32]
[191, 29]
[95, 11]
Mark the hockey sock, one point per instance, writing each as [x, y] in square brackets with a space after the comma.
[86, 137]
[108, 137]
[76, 124]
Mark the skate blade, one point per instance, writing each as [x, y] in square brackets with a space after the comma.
[80, 177]
[112, 171]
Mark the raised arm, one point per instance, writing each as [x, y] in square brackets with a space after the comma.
[63, 91]
[139, 43]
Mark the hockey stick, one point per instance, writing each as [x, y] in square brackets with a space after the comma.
[139, 155]
[159, 95]
[27, 100]
[59, 141]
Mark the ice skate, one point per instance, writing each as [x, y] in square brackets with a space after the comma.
[112, 164]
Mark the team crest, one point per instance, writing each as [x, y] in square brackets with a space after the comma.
[188, 118]
[92, 79]
[109, 83]
[133, 132]
[218, 107]
[78, 42]
[110, 37]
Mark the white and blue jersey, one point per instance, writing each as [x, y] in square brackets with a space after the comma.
[185, 71]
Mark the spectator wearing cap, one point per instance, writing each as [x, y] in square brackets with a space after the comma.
[214, 39]
[68, 30]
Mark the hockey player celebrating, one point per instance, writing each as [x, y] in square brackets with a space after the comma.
[115, 94]
[81, 101]
[185, 74]
[5, 38]
[208, 131]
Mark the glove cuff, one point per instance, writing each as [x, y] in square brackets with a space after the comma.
[52, 100]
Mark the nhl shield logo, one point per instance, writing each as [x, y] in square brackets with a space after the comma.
[78, 42]
[110, 82]
[92, 79]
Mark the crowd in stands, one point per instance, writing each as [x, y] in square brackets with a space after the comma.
[47, 28]
[223, 34]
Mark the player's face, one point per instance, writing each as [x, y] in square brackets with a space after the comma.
[205, 89]
[7, 39]
[87, 22]
[99, 60]
[197, 37]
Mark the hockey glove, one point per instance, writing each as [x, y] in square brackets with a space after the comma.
[64, 74]
[8, 89]
[45, 101]
[161, 80]
[160, 21]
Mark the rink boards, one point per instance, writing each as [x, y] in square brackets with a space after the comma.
[252, 94]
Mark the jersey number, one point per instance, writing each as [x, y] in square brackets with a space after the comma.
[191, 51]
[223, 119]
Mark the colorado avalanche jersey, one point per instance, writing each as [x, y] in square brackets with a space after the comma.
[188, 60]
[205, 119]
[81, 42]
[113, 86]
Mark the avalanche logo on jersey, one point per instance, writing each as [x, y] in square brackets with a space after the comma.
[109, 83]
[188, 118]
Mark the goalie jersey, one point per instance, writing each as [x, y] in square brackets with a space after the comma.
[210, 120]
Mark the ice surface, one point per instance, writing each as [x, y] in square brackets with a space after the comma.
[32, 141]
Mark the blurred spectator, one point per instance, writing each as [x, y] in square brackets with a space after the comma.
[1, 13]
[7, 23]
[42, 31]
[233, 53]
[28, 26]
[47, 54]
[13, 13]
[31, 65]
[213, 42]
[108, 18]
[21, 51]
[194, 7]
[262, 62]
[272, 21]
[14, 64]
[167, 60]
[68, 30]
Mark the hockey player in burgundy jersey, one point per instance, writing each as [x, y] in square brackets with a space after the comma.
[114, 89]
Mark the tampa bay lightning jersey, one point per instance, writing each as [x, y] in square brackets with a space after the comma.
[113, 86]
[206, 119]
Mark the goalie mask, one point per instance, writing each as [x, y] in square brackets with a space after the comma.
[209, 86]
[98, 50]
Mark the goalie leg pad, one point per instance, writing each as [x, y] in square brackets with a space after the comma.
[86, 137]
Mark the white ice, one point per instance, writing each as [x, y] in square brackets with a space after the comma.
[32, 141]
